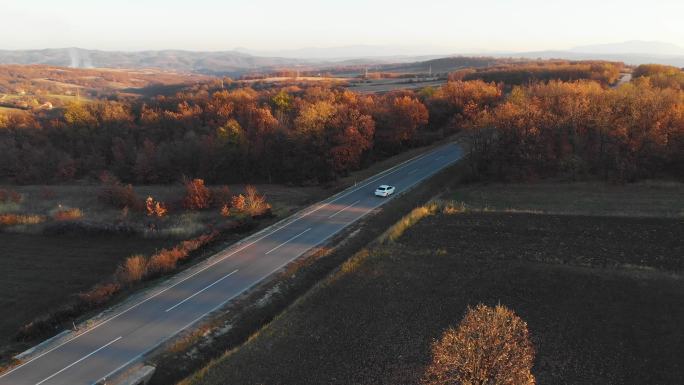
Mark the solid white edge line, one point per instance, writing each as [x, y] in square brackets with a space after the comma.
[81, 359]
[334, 198]
[344, 208]
[201, 291]
[288, 241]
[255, 282]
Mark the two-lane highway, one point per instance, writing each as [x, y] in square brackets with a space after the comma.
[123, 338]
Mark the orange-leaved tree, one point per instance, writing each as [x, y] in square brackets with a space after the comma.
[491, 346]
[197, 195]
[155, 208]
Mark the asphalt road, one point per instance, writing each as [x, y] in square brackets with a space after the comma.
[123, 338]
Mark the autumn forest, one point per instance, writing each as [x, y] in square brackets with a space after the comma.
[520, 123]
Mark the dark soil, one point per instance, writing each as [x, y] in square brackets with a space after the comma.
[602, 298]
[38, 273]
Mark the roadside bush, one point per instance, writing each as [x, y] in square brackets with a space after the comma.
[167, 259]
[255, 203]
[225, 211]
[490, 346]
[238, 203]
[132, 270]
[65, 214]
[18, 219]
[99, 294]
[135, 269]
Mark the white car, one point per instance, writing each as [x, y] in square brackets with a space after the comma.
[384, 191]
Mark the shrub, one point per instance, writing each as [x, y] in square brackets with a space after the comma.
[17, 219]
[197, 195]
[116, 194]
[490, 346]
[155, 208]
[160, 209]
[225, 211]
[238, 203]
[255, 203]
[99, 294]
[167, 259]
[65, 214]
[132, 270]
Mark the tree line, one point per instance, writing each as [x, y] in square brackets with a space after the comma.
[291, 134]
[316, 133]
[523, 73]
[580, 129]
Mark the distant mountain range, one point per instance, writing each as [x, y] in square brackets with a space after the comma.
[631, 52]
[635, 47]
[241, 60]
[225, 62]
[354, 52]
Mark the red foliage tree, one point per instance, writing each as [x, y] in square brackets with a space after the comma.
[197, 195]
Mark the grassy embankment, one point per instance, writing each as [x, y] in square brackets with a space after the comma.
[595, 270]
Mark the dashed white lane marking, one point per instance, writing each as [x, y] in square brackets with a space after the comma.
[289, 240]
[342, 209]
[334, 198]
[199, 292]
[81, 359]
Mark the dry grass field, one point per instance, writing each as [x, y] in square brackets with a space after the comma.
[179, 223]
[599, 285]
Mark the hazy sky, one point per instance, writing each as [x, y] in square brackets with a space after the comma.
[449, 25]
